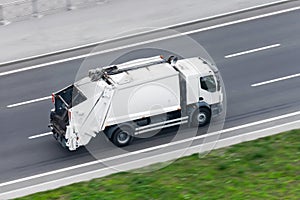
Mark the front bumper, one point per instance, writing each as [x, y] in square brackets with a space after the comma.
[216, 109]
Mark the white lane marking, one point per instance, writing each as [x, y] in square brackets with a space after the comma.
[28, 102]
[86, 176]
[252, 50]
[42, 65]
[39, 135]
[149, 149]
[145, 32]
[276, 80]
[150, 41]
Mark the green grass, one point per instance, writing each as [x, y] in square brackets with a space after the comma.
[267, 168]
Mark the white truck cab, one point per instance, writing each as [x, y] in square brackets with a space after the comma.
[135, 97]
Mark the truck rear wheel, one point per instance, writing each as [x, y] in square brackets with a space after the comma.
[122, 136]
[201, 117]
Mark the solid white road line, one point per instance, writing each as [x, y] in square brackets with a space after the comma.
[146, 161]
[252, 50]
[149, 149]
[39, 135]
[28, 102]
[275, 80]
[151, 41]
[43, 65]
[145, 32]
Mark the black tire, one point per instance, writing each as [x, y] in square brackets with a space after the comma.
[122, 136]
[201, 117]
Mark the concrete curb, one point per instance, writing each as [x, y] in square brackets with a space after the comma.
[146, 32]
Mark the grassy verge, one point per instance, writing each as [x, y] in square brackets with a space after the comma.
[267, 168]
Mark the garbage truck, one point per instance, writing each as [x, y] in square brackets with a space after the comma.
[132, 98]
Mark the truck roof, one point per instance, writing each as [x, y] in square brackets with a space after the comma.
[131, 73]
[144, 74]
[146, 70]
[193, 66]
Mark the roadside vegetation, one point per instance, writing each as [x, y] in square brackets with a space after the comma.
[267, 168]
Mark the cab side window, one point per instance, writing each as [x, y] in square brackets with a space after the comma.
[208, 83]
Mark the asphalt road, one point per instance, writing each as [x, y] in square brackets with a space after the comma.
[21, 157]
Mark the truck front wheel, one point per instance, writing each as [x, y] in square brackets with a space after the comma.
[201, 117]
[122, 136]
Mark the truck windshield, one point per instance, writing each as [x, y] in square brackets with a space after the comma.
[208, 83]
[218, 80]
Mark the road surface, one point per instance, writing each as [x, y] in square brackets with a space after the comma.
[258, 60]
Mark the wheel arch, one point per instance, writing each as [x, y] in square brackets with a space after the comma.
[194, 108]
[109, 131]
